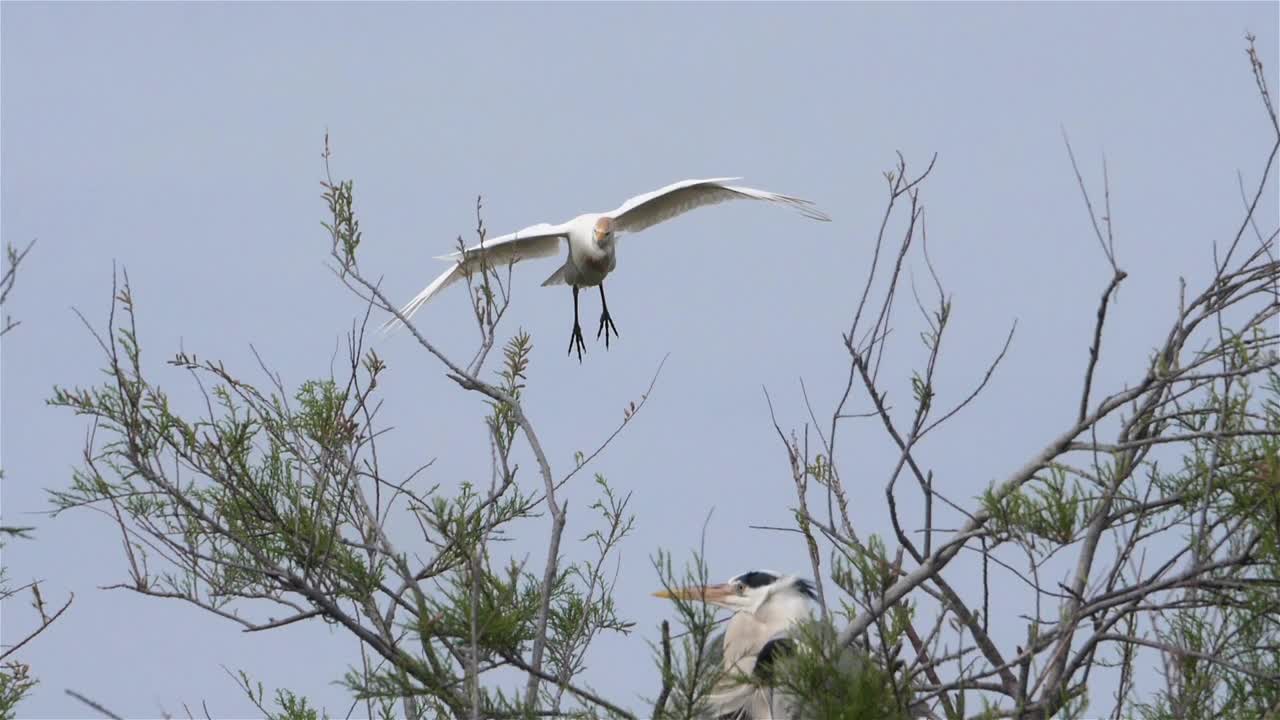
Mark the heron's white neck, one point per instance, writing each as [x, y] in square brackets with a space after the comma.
[749, 630]
[783, 609]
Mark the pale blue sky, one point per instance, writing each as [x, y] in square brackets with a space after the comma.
[182, 141]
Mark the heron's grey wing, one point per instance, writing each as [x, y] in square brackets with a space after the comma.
[647, 210]
[532, 242]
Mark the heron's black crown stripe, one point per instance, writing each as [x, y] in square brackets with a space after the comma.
[757, 578]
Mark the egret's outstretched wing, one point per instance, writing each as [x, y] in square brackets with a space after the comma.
[541, 240]
[524, 243]
[652, 208]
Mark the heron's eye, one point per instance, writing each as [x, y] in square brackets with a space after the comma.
[741, 588]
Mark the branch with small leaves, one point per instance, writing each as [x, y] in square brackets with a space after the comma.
[268, 506]
[1191, 445]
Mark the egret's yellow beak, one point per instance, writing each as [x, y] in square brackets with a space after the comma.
[704, 593]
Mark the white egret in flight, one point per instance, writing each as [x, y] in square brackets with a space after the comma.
[766, 608]
[591, 243]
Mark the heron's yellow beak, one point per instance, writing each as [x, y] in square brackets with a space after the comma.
[704, 593]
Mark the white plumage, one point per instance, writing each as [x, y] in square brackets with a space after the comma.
[766, 609]
[590, 241]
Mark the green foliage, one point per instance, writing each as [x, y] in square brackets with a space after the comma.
[504, 422]
[691, 664]
[268, 488]
[1051, 507]
[832, 682]
[872, 565]
[1232, 478]
[504, 606]
[344, 229]
[15, 682]
[15, 677]
[273, 497]
[820, 470]
[584, 606]
[286, 704]
[322, 416]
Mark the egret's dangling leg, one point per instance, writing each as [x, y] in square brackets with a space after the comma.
[576, 337]
[606, 322]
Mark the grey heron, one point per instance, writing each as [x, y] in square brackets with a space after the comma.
[590, 241]
[767, 607]
[772, 623]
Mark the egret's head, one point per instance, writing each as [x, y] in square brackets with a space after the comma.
[747, 592]
[603, 232]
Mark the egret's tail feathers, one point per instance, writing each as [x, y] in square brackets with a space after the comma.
[802, 206]
[444, 280]
[557, 277]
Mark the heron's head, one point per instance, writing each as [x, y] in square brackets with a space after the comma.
[749, 591]
[603, 232]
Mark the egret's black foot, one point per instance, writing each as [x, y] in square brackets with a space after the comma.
[606, 324]
[576, 341]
